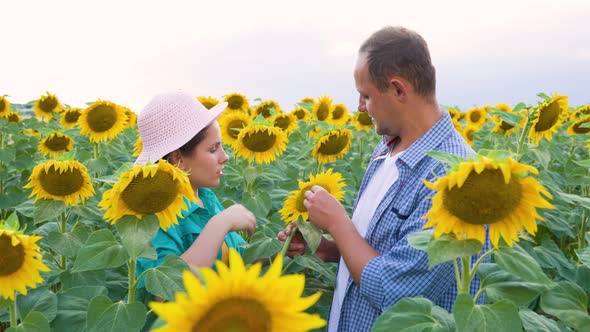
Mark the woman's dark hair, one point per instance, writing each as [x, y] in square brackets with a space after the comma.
[191, 144]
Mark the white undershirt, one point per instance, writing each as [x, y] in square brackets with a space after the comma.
[383, 179]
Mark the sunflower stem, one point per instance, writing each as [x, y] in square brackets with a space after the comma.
[288, 241]
[457, 275]
[63, 228]
[95, 150]
[12, 312]
[478, 294]
[465, 275]
[478, 262]
[523, 135]
[582, 233]
[132, 284]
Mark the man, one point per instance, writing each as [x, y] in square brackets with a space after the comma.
[396, 81]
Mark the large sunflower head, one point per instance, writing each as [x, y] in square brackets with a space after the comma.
[102, 120]
[301, 113]
[55, 144]
[476, 117]
[322, 108]
[267, 108]
[20, 263]
[237, 298]
[236, 102]
[208, 101]
[69, 118]
[159, 189]
[286, 121]
[332, 146]
[4, 107]
[502, 126]
[576, 126]
[65, 180]
[47, 105]
[137, 147]
[362, 121]
[548, 118]
[231, 123]
[293, 207]
[487, 192]
[260, 143]
[339, 115]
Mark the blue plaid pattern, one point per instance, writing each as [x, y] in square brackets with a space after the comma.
[402, 271]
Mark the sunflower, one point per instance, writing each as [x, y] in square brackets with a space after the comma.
[31, 132]
[486, 192]
[454, 112]
[301, 113]
[55, 144]
[4, 107]
[548, 118]
[362, 121]
[47, 105]
[339, 115]
[69, 118]
[476, 117]
[307, 103]
[468, 134]
[137, 147]
[102, 120]
[267, 108]
[293, 207]
[458, 126]
[131, 117]
[13, 117]
[236, 102]
[231, 123]
[208, 101]
[20, 263]
[237, 298]
[322, 108]
[159, 189]
[66, 181]
[576, 126]
[332, 145]
[286, 121]
[502, 126]
[260, 143]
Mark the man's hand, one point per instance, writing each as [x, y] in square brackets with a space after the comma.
[323, 209]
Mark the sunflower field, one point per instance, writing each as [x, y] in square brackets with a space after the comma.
[76, 215]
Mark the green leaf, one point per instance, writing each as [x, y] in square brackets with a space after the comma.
[12, 222]
[137, 234]
[261, 246]
[34, 322]
[575, 199]
[511, 118]
[87, 278]
[37, 300]
[568, 302]
[72, 307]
[447, 248]
[420, 240]
[48, 209]
[544, 96]
[314, 263]
[518, 107]
[583, 163]
[260, 204]
[101, 251]
[103, 315]
[531, 321]
[500, 316]
[66, 244]
[8, 154]
[165, 280]
[499, 285]
[444, 157]
[311, 233]
[520, 263]
[414, 314]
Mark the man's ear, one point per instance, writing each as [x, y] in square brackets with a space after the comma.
[398, 86]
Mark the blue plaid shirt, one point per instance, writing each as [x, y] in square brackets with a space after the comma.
[400, 270]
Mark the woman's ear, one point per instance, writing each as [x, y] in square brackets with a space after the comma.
[175, 158]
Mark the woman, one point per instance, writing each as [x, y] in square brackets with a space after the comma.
[177, 128]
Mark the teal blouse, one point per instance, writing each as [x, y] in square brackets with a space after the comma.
[178, 238]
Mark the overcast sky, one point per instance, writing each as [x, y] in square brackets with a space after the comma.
[128, 51]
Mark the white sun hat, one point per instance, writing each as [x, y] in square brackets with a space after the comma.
[169, 121]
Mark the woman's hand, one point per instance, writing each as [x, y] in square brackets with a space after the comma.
[237, 218]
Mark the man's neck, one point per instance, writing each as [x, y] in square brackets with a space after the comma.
[423, 117]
